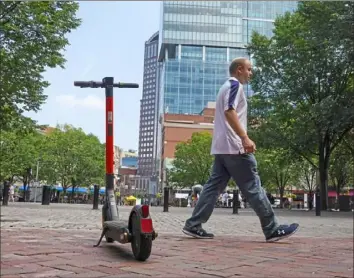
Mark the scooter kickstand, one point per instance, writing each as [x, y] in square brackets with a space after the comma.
[103, 233]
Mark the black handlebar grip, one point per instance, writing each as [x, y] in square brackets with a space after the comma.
[126, 85]
[81, 83]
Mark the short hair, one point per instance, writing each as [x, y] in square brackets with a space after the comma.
[238, 62]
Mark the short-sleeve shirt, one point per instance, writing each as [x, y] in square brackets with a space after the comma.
[231, 96]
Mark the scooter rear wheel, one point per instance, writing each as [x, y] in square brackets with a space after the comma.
[141, 244]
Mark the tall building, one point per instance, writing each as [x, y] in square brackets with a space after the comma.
[197, 41]
[148, 113]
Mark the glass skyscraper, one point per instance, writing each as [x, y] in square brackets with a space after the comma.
[197, 41]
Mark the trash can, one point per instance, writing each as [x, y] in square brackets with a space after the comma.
[46, 195]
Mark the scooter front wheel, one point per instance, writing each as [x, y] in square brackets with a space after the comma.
[141, 244]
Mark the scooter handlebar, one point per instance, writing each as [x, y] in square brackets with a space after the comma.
[99, 84]
[84, 84]
[126, 85]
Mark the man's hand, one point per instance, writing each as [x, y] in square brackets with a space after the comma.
[248, 144]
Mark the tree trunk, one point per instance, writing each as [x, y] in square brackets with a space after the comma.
[72, 193]
[310, 200]
[281, 193]
[25, 185]
[338, 187]
[324, 151]
[24, 190]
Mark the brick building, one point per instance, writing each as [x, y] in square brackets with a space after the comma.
[127, 180]
[178, 128]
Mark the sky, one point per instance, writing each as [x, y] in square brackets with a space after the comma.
[109, 42]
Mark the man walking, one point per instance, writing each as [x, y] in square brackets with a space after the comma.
[233, 157]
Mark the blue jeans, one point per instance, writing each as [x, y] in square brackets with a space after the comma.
[243, 169]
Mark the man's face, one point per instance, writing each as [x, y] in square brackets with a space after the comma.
[245, 72]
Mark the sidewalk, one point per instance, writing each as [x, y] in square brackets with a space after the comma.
[69, 253]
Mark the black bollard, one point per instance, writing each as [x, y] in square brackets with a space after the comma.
[165, 199]
[318, 202]
[96, 190]
[5, 194]
[235, 202]
[45, 195]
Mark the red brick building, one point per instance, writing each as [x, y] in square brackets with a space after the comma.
[178, 128]
[126, 182]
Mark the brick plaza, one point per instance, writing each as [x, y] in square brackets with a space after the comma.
[56, 241]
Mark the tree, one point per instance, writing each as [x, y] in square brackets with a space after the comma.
[263, 165]
[193, 161]
[304, 82]
[32, 39]
[19, 154]
[278, 166]
[348, 145]
[73, 158]
[307, 174]
[340, 168]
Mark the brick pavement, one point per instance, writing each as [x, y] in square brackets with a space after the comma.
[56, 241]
[69, 253]
[222, 222]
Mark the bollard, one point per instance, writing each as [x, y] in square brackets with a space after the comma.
[318, 202]
[5, 194]
[235, 202]
[45, 195]
[96, 190]
[165, 199]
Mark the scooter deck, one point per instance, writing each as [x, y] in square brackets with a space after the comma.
[116, 230]
[115, 224]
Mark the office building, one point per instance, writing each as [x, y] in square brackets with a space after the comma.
[197, 41]
[148, 113]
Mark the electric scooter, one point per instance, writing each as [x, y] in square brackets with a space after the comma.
[138, 230]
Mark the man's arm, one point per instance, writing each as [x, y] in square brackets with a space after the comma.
[234, 122]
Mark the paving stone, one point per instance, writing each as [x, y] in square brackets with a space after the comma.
[57, 241]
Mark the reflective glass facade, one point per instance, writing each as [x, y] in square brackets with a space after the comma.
[198, 39]
[217, 23]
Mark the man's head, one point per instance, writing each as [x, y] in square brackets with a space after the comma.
[241, 68]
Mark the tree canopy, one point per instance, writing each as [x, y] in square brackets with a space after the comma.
[73, 158]
[64, 155]
[303, 81]
[32, 39]
[193, 161]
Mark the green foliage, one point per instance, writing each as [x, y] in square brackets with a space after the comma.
[66, 155]
[231, 184]
[264, 163]
[307, 176]
[32, 39]
[277, 169]
[18, 152]
[304, 82]
[341, 168]
[193, 161]
[73, 158]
